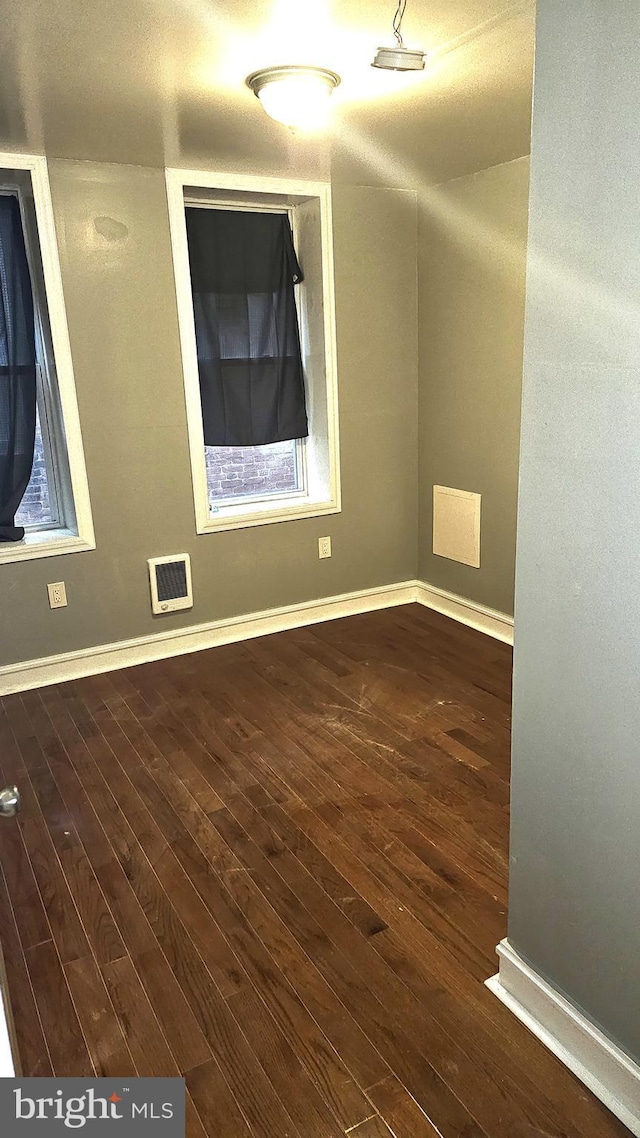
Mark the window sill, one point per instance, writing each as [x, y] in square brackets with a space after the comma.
[45, 543]
[239, 517]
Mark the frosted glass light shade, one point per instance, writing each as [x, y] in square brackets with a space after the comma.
[294, 95]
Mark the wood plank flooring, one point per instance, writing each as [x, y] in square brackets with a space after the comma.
[280, 869]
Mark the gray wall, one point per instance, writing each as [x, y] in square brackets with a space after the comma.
[574, 910]
[471, 269]
[121, 309]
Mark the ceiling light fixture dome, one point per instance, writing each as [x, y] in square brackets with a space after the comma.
[399, 57]
[295, 95]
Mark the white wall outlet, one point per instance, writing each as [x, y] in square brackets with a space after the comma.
[57, 595]
[324, 547]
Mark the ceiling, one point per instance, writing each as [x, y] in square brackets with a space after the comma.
[161, 82]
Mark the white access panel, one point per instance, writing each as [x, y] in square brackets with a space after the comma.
[456, 525]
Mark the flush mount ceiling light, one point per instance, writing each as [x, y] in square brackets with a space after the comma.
[399, 57]
[295, 95]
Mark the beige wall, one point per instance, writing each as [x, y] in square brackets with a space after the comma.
[471, 268]
[120, 299]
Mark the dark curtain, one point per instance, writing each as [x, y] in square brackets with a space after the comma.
[243, 270]
[17, 368]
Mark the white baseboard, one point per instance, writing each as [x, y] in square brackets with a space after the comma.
[493, 623]
[178, 641]
[175, 642]
[602, 1066]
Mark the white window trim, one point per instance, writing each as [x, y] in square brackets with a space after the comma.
[58, 540]
[239, 515]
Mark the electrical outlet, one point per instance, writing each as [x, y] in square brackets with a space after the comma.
[57, 595]
[324, 547]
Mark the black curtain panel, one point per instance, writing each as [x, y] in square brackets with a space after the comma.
[17, 368]
[243, 271]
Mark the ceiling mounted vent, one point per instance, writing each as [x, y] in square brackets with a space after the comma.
[170, 580]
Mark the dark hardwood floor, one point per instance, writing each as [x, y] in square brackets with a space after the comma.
[280, 868]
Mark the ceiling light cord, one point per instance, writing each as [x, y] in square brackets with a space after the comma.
[397, 22]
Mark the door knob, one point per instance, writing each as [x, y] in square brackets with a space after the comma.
[9, 802]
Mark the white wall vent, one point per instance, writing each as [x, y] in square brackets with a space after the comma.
[170, 580]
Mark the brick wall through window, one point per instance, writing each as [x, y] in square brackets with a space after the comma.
[240, 472]
[35, 508]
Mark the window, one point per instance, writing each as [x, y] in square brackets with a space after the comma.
[37, 395]
[253, 473]
[259, 361]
